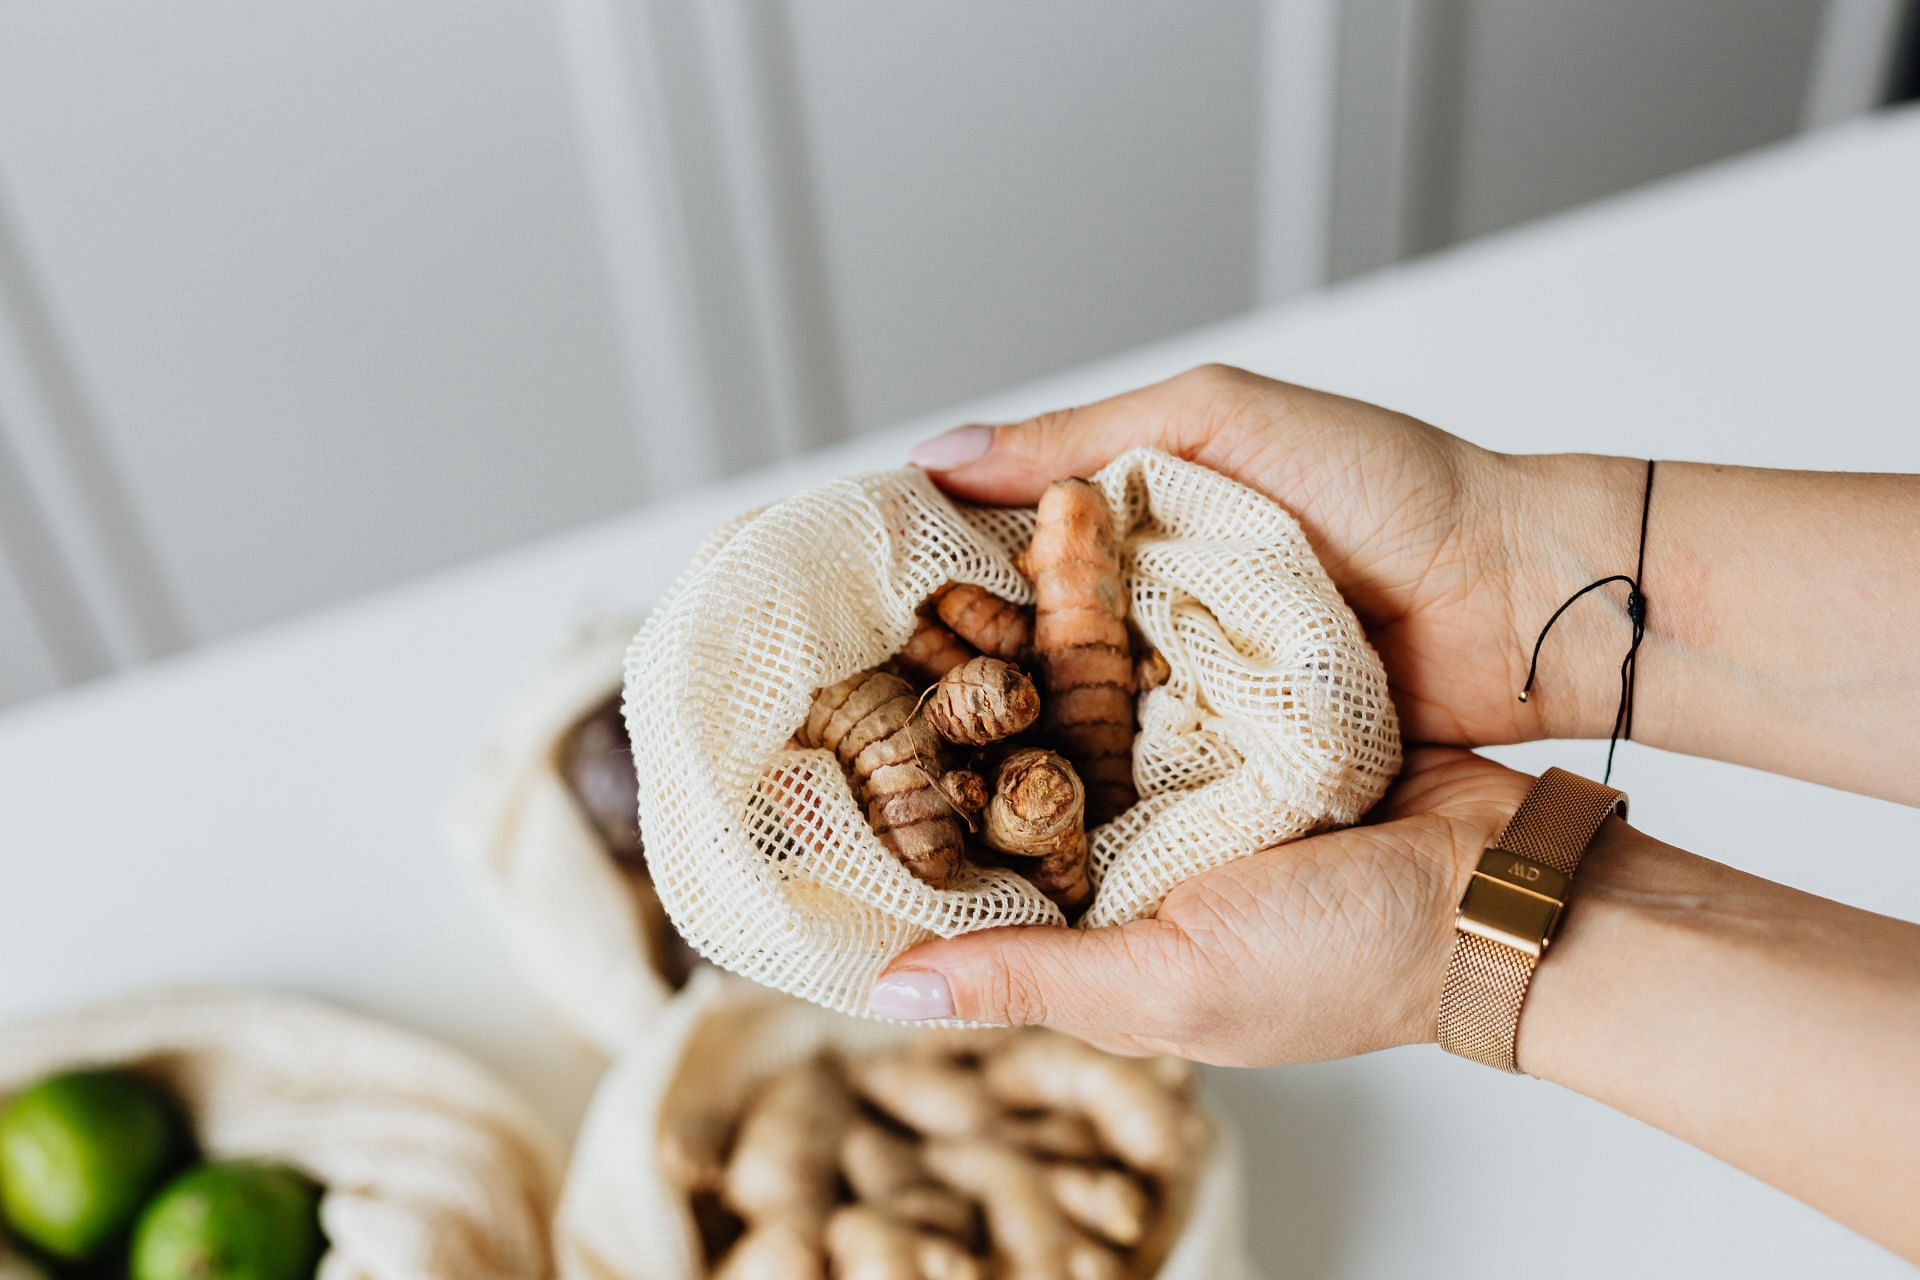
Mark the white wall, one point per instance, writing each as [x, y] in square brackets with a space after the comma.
[325, 280]
[299, 301]
[1005, 188]
[1545, 106]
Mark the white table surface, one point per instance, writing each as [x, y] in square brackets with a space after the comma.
[266, 812]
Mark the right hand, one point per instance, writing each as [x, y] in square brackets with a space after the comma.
[1416, 527]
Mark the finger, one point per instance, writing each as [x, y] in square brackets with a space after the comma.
[1116, 981]
[1012, 465]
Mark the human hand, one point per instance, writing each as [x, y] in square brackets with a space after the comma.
[1323, 948]
[1421, 531]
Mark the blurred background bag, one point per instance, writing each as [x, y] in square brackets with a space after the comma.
[576, 900]
[621, 1219]
[431, 1170]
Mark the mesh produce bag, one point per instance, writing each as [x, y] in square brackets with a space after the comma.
[1274, 723]
[589, 930]
[619, 1219]
[431, 1170]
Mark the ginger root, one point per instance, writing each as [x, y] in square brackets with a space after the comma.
[692, 1151]
[1140, 1115]
[871, 723]
[961, 1155]
[930, 1205]
[1081, 641]
[787, 1152]
[865, 1243]
[781, 1247]
[882, 1168]
[931, 1097]
[1054, 1135]
[1032, 1238]
[930, 652]
[998, 628]
[1038, 815]
[877, 1162]
[980, 701]
[1111, 1204]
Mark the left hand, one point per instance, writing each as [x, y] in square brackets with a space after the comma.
[1323, 948]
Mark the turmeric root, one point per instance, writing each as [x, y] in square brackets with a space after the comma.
[998, 628]
[1080, 639]
[1031, 1237]
[1139, 1119]
[1150, 671]
[980, 701]
[1037, 814]
[930, 652]
[894, 756]
[964, 789]
[788, 1149]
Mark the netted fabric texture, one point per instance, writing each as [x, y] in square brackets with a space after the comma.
[585, 928]
[620, 1220]
[1274, 723]
[432, 1170]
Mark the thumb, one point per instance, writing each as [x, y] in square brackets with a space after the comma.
[1111, 980]
[1012, 465]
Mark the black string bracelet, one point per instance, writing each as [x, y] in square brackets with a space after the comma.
[1636, 614]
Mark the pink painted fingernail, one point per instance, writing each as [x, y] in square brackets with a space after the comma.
[955, 448]
[913, 996]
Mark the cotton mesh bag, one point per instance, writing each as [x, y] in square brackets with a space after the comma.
[431, 1170]
[620, 1218]
[588, 929]
[1274, 722]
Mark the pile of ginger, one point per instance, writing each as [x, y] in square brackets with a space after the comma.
[962, 1155]
[1011, 726]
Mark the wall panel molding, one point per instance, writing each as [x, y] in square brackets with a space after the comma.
[690, 127]
[1853, 59]
[1300, 85]
[612, 57]
[81, 554]
[763, 149]
[1376, 129]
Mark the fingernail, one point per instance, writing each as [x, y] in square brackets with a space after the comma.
[913, 996]
[955, 448]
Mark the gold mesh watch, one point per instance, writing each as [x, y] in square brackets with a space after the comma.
[1510, 910]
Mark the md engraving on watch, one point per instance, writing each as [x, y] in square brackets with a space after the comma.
[1513, 900]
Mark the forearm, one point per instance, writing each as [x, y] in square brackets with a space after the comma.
[1773, 1029]
[1782, 612]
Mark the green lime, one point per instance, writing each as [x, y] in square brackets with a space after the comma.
[230, 1220]
[79, 1153]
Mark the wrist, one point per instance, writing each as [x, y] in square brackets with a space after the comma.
[1569, 519]
[1472, 827]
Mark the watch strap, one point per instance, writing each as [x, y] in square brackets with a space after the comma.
[1487, 979]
